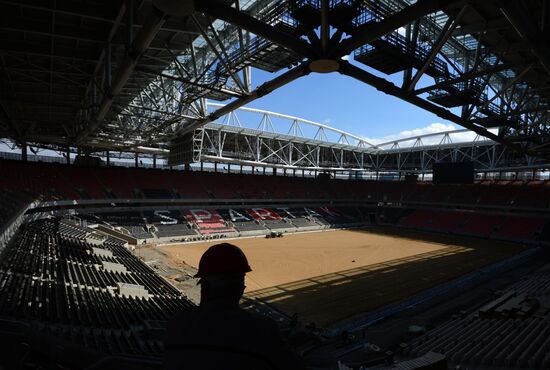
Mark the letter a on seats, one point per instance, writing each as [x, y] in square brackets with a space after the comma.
[236, 216]
[311, 212]
[285, 210]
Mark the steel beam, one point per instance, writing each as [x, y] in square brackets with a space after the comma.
[507, 86]
[231, 15]
[266, 88]
[187, 81]
[527, 29]
[488, 25]
[141, 42]
[374, 30]
[325, 28]
[390, 89]
[446, 32]
[468, 76]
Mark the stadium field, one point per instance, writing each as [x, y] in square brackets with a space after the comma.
[325, 277]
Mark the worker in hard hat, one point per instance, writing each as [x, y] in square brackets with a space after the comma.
[219, 334]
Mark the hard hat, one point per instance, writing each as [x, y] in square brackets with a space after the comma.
[223, 259]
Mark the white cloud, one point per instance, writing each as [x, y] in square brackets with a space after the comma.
[432, 128]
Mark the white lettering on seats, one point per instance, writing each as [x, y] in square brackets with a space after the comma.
[266, 214]
[201, 214]
[329, 211]
[285, 210]
[166, 220]
[236, 216]
[311, 212]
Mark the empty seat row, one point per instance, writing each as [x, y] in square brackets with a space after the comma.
[510, 332]
[56, 182]
[60, 281]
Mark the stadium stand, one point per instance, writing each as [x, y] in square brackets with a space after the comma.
[269, 218]
[84, 182]
[56, 181]
[481, 224]
[298, 217]
[218, 187]
[417, 219]
[187, 185]
[241, 221]
[447, 221]
[10, 203]
[169, 223]
[115, 181]
[152, 187]
[76, 287]
[133, 222]
[164, 81]
[166, 231]
[499, 226]
[511, 331]
[492, 198]
[208, 221]
[520, 228]
[501, 193]
[533, 194]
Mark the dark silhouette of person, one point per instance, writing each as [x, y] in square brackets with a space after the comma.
[218, 334]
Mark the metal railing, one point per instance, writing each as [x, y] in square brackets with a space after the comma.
[8, 230]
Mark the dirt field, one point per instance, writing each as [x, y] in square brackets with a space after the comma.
[325, 277]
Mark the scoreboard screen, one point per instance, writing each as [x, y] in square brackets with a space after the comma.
[453, 173]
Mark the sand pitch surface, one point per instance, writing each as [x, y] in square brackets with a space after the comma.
[325, 277]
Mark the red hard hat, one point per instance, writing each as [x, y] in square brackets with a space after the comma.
[223, 259]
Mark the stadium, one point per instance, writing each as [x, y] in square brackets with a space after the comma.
[129, 145]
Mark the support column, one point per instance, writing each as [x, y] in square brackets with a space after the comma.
[229, 168]
[215, 166]
[253, 170]
[274, 171]
[108, 156]
[68, 155]
[303, 173]
[188, 167]
[241, 169]
[202, 166]
[24, 152]
[264, 171]
[284, 171]
[136, 158]
[154, 161]
[129, 25]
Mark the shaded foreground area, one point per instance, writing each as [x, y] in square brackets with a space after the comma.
[392, 264]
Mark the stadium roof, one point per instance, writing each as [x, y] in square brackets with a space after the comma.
[127, 74]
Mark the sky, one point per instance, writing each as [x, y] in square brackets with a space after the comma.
[342, 102]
